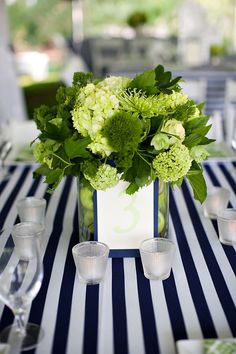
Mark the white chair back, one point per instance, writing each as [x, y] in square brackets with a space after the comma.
[230, 109]
[195, 89]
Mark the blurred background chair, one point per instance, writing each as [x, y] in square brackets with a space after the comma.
[196, 89]
[230, 109]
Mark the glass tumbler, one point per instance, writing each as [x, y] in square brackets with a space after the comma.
[91, 260]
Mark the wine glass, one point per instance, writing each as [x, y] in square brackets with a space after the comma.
[21, 274]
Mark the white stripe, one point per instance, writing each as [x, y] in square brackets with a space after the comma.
[191, 321]
[76, 327]
[134, 320]
[163, 324]
[105, 326]
[219, 319]
[52, 299]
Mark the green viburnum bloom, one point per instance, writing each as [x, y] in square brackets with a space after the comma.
[43, 152]
[160, 141]
[173, 164]
[199, 153]
[101, 177]
[123, 131]
[176, 130]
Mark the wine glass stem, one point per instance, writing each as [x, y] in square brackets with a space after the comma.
[20, 323]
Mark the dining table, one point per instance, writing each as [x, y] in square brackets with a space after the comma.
[126, 312]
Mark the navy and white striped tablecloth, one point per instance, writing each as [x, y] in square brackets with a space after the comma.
[127, 313]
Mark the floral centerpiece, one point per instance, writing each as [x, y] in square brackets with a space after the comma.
[118, 128]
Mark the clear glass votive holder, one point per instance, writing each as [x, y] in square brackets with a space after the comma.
[26, 237]
[216, 200]
[226, 221]
[31, 209]
[91, 258]
[157, 257]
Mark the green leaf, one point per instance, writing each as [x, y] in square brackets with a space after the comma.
[198, 185]
[206, 141]
[145, 82]
[196, 122]
[132, 188]
[77, 147]
[42, 170]
[54, 176]
[81, 79]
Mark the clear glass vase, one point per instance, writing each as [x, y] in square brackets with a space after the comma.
[86, 211]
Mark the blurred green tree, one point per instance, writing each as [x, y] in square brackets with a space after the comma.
[35, 24]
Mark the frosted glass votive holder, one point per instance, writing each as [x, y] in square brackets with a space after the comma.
[157, 257]
[90, 259]
[226, 221]
[31, 209]
[26, 237]
[216, 200]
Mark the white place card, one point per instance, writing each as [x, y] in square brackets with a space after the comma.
[123, 221]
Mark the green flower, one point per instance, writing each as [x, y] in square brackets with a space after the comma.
[114, 83]
[173, 164]
[123, 132]
[199, 153]
[101, 177]
[175, 129]
[149, 106]
[160, 141]
[92, 108]
[43, 152]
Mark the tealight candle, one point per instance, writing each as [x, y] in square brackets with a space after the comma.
[217, 199]
[157, 257]
[226, 220]
[90, 259]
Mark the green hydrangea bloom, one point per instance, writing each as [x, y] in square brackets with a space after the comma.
[101, 178]
[114, 83]
[160, 141]
[173, 164]
[199, 153]
[174, 127]
[93, 107]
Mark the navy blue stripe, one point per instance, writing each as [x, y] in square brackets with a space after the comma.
[174, 308]
[228, 177]
[212, 176]
[34, 186]
[155, 203]
[118, 307]
[38, 303]
[67, 284]
[7, 318]
[13, 195]
[91, 320]
[5, 182]
[147, 312]
[195, 287]
[212, 264]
